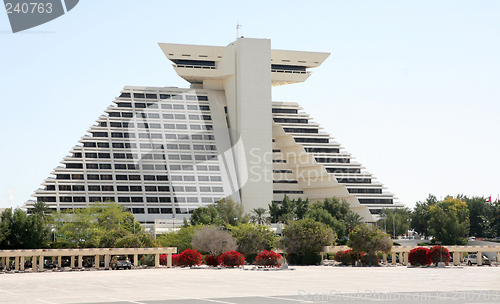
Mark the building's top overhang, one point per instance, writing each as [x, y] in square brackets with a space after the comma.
[197, 63]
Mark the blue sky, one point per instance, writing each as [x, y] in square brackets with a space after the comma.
[410, 89]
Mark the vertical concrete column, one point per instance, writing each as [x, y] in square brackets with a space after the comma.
[107, 258]
[169, 260]
[4, 264]
[33, 263]
[21, 262]
[80, 261]
[16, 263]
[72, 261]
[407, 260]
[498, 256]
[479, 258]
[393, 258]
[157, 260]
[136, 259]
[456, 258]
[42, 262]
[97, 261]
[59, 261]
[402, 257]
[384, 257]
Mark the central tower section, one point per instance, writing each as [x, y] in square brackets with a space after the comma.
[245, 70]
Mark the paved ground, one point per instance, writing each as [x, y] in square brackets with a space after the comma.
[233, 286]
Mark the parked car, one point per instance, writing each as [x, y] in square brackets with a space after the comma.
[472, 238]
[49, 264]
[120, 261]
[389, 258]
[472, 259]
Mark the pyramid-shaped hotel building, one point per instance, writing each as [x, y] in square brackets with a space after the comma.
[164, 151]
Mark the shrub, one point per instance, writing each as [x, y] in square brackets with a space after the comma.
[175, 260]
[268, 258]
[163, 259]
[348, 257]
[212, 260]
[419, 256]
[189, 257]
[309, 258]
[232, 258]
[213, 239]
[438, 252]
[148, 260]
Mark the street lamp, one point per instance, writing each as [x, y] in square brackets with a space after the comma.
[173, 221]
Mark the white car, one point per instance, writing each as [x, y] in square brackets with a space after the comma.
[472, 259]
[472, 238]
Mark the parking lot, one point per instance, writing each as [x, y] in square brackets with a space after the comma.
[183, 285]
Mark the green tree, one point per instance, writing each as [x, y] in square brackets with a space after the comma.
[180, 239]
[481, 216]
[301, 208]
[352, 219]
[259, 216]
[140, 240]
[369, 239]
[395, 218]
[206, 216]
[323, 216]
[98, 225]
[252, 239]
[231, 213]
[282, 212]
[449, 221]
[307, 236]
[420, 215]
[21, 231]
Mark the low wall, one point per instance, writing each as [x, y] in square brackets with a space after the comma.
[456, 251]
[38, 256]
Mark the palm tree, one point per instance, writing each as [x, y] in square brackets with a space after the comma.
[40, 208]
[352, 220]
[259, 216]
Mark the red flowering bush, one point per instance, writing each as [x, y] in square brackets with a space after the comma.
[348, 257]
[232, 258]
[189, 257]
[437, 253]
[268, 258]
[163, 259]
[419, 256]
[175, 260]
[212, 260]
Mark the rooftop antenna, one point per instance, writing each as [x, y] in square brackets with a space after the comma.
[238, 26]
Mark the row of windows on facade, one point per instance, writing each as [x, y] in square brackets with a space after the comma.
[360, 190]
[322, 150]
[291, 120]
[128, 124]
[144, 156]
[375, 200]
[333, 160]
[286, 111]
[94, 166]
[125, 199]
[150, 135]
[354, 180]
[163, 96]
[143, 105]
[149, 146]
[139, 188]
[144, 167]
[312, 140]
[118, 114]
[139, 210]
[301, 130]
[152, 178]
[343, 170]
